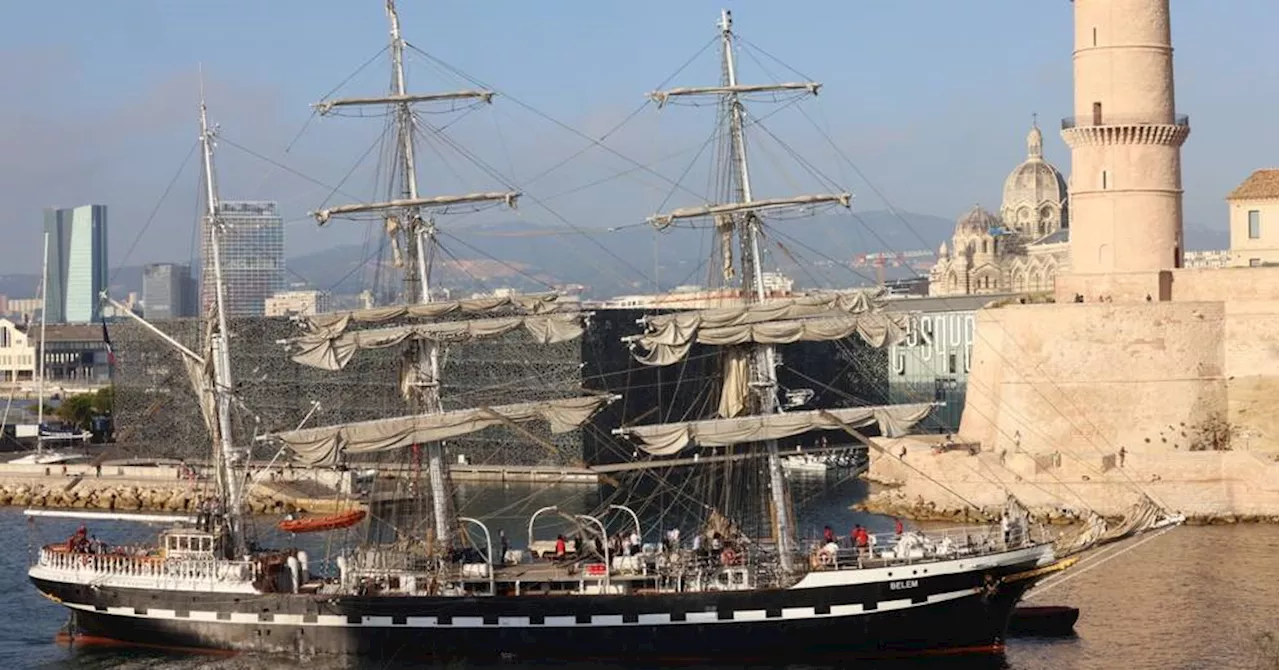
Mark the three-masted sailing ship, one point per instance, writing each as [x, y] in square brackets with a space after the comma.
[413, 592]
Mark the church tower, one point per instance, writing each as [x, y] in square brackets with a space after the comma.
[1125, 139]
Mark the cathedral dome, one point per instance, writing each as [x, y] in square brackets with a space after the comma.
[1035, 193]
[976, 221]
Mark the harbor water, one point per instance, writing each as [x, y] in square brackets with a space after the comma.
[1195, 597]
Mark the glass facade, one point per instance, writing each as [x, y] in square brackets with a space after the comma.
[252, 251]
[168, 291]
[77, 262]
[932, 363]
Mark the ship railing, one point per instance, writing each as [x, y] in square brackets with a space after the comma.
[918, 547]
[131, 565]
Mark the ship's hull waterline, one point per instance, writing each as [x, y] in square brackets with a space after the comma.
[910, 613]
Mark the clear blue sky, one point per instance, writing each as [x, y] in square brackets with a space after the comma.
[931, 99]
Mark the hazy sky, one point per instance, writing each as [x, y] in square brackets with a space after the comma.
[931, 100]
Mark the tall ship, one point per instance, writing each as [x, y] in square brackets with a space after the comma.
[742, 585]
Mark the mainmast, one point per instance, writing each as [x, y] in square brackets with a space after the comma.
[229, 459]
[405, 219]
[744, 212]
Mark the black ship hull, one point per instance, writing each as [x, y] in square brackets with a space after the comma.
[911, 614]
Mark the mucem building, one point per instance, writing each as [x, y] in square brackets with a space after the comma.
[156, 412]
[157, 415]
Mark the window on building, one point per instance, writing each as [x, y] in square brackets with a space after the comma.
[1095, 37]
[1255, 262]
[4, 337]
[1255, 225]
[1104, 180]
[951, 363]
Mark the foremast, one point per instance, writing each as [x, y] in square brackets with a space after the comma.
[742, 216]
[404, 219]
[229, 459]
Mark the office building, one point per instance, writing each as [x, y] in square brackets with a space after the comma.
[77, 262]
[168, 291]
[252, 252]
[298, 303]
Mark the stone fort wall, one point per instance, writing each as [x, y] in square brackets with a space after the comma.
[1090, 378]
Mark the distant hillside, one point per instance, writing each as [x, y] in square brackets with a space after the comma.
[520, 255]
[634, 259]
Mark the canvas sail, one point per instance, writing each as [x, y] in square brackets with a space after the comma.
[334, 323]
[668, 338]
[332, 349]
[324, 445]
[665, 439]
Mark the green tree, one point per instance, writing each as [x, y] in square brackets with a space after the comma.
[79, 410]
[104, 400]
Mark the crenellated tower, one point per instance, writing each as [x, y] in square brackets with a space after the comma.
[1125, 138]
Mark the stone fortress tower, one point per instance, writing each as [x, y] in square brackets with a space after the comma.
[1125, 139]
[1176, 368]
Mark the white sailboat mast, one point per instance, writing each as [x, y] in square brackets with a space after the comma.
[44, 310]
[229, 459]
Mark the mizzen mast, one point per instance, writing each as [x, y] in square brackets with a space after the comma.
[405, 222]
[742, 216]
[229, 458]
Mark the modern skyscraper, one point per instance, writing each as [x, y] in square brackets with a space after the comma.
[168, 291]
[252, 252]
[77, 262]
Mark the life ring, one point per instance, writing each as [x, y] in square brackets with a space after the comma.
[727, 557]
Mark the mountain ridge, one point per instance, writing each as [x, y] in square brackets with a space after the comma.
[814, 251]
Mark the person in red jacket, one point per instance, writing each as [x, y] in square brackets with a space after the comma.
[897, 526]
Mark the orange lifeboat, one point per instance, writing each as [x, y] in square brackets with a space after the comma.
[315, 524]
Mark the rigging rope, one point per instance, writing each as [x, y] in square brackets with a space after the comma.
[1042, 588]
[152, 217]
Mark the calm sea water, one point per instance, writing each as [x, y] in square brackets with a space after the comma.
[1189, 599]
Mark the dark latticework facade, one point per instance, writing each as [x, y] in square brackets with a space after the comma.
[157, 416]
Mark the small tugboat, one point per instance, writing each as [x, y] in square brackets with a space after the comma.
[1043, 621]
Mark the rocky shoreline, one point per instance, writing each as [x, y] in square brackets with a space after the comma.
[893, 502]
[134, 498]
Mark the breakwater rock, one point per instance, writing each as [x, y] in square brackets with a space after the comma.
[132, 498]
[896, 503]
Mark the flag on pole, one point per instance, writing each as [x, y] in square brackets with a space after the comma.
[106, 338]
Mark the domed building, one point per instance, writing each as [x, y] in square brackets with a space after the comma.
[1020, 251]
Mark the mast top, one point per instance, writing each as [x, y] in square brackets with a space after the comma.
[726, 21]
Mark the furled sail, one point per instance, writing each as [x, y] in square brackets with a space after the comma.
[334, 323]
[324, 445]
[665, 439]
[332, 349]
[668, 337]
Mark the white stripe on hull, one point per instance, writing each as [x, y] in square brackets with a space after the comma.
[597, 620]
